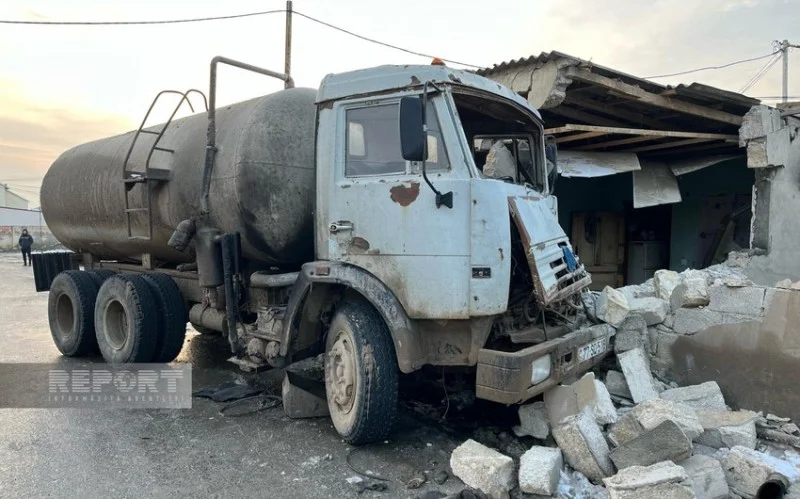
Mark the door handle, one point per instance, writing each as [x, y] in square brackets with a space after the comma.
[341, 226]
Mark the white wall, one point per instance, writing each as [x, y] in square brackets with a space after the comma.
[10, 200]
[23, 218]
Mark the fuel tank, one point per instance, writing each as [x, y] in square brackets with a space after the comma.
[262, 184]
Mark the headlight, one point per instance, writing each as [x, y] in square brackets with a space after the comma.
[540, 369]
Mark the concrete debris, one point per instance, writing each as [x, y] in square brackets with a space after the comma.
[584, 446]
[539, 470]
[653, 310]
[575, 485]
[637, 374]
[796, 285]
[604, 410]
[665, 442]
[658, 481]
[707, 476]
[611, 307]
[631, 333]
[741, 301]
[790, 428]
[746, 470]
[703, 396]
[534, 421]
[690, 293]
[722, 428]
[303, 397]
[784, 284]
[563, 401]
[652, 413]
[625, 429]
[665, 282]
[483, 468]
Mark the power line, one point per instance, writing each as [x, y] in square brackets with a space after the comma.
[708, 68]
[759, 74]
[117, 23]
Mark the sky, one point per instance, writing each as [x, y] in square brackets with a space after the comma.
[62, 85]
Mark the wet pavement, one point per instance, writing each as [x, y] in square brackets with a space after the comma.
[189, 453]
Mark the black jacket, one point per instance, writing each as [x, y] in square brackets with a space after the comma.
[25, 242]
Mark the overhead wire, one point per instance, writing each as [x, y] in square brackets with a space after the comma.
[708, 68]
[759, 74]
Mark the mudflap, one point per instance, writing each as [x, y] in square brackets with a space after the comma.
[46, 266]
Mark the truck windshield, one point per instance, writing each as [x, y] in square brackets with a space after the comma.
[506, 142]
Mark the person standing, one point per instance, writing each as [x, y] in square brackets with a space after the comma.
[25, 244]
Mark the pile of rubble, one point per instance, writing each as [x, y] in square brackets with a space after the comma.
[635, 435]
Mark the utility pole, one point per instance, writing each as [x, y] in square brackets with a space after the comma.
[785, 56]
[287, 59]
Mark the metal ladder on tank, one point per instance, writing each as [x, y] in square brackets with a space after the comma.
[132, 177]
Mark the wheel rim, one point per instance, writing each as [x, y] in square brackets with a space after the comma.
[115, 320]
[65, 315]
[341, 374]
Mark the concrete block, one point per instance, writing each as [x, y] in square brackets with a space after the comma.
[653, 310]
[616, 384]
[567, 400]
[604, 410]
[634, 292]
[784, 284]
[665, 442]
[631, 333]
[652, 413]
[483, 468]
[693, 320]
[637, 374]
[625, 429]
[722, 428]
[539, 470]
[707, 476]
[584, 446]
[664, 282]
[690, 293]
[612, 307]
[664, 480]
[534, 420]
[303, 397]
[703, 396]
[741, 301]
[746, 469]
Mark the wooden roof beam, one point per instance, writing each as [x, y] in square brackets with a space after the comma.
[578, 136]
[615, 143]
[669, 145]
[634, 92]
[640, 131]
[578, 115]
[612, 110]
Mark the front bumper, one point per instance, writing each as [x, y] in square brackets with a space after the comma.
[505, 377]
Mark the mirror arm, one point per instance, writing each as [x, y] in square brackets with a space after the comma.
[441, 199]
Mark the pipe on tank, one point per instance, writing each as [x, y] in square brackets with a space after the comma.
[774, 487]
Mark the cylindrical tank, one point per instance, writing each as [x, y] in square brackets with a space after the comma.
[262, 184]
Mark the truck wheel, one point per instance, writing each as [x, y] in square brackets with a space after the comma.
[99, 276]
[70, 310]
[172, 312]
[360, 374]
[126, 320]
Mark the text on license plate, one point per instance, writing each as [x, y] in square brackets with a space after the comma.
[592, 349]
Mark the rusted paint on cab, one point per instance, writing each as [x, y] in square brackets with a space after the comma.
[404, 195]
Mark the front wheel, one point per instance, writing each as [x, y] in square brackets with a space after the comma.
[360, 374]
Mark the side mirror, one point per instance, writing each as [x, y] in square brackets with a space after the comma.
[551, 156]
[412, 129]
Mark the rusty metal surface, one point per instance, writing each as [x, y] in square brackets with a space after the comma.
[262, 185]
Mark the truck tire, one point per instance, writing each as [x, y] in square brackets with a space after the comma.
[70, 310]
[173, 315]
[99, 276]
[126, 320]
[361, 374]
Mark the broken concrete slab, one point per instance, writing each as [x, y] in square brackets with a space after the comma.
[703, 396]
[784, 284]
[483, 468]
[303, 397]
[584, 447]
[693, 320]
[690, 293]
[658, 481]
[567, 400]
[616, 384]
[741, 301]
[534, 420]
[707, 476]
[631, 333]
[723, 428]
[604, 410]
[747, 469]
[625, 429]
[539, 470]
[611, 307]
[653, 310]
[653, 412]
[637, 374]
[665, 442]
[664, 282]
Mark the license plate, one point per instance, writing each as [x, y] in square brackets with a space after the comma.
[591, 350]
